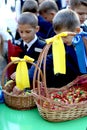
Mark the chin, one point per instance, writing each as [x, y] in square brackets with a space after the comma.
[26, 41]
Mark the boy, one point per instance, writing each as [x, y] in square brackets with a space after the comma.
[80, 7]
[32, 6]
[65, 20]
[48, 9]
[29, 42]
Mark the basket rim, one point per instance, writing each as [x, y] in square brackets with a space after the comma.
[9, 94]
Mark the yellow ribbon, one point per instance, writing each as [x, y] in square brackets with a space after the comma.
[22, 77]
[58, 51]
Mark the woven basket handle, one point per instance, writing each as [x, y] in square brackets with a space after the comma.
[42, 60]
[41, 57]
[13, 62]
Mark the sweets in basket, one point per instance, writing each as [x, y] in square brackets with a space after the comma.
[17, 93]
[72, 95]
[67, 103]
[59, 104]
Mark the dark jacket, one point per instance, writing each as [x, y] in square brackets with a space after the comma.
[34, 50]
[51, 32]
[59, 80]
[44, 27]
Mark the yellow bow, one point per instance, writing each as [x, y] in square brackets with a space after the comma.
[22, 77]
[58, 50]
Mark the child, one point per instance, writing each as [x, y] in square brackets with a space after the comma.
[32, 6]
[80, 7]
[48, 9]
[29, 42]
[65, 20]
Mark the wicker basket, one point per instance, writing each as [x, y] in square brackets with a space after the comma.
[20, 102]
[41, 95]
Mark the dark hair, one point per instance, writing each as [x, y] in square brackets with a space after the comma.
[66, 18]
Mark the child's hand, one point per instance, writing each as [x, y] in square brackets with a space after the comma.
[71, 33]
[68, 40]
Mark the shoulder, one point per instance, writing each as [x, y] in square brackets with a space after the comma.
[42, 21]
[41, 42]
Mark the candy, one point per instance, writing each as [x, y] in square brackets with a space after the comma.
[69, 96]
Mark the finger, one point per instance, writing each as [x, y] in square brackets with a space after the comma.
[71, 33]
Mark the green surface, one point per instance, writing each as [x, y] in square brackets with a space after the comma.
[31, 120]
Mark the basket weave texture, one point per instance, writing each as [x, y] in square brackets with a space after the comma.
[63, 111]
[19, 102]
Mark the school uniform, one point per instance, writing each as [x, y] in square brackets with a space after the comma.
[59, 80]
[45, 26]
[51, 32]
[33, 48]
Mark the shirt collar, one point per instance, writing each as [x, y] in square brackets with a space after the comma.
[30, 43]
